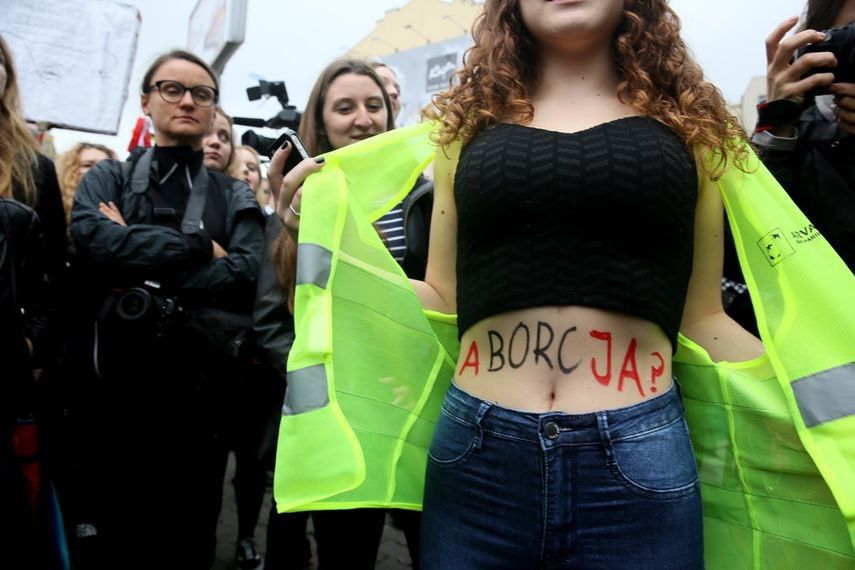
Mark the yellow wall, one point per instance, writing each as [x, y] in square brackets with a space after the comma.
[418, 23]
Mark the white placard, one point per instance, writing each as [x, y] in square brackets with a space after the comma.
[73, 59]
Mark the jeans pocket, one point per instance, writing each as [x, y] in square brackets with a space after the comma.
[657, 463]
[453, 439]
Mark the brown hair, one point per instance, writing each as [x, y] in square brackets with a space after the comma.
[821, 14]
[312, 125]
[17, 145]
[67, 167]
[659, 79]
[145, 87]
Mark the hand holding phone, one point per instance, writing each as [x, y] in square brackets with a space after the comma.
[287, 185]
[298, 151]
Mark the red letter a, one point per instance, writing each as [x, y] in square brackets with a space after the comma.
[472, 359]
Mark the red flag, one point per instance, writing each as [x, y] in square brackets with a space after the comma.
[141, 135]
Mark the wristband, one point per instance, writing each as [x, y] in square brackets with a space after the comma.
[772, 114]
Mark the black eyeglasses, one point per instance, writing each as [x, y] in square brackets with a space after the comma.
[172, 92]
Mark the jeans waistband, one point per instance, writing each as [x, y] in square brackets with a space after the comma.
[564, 429]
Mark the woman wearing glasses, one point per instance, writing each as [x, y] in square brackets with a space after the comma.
[171, 249]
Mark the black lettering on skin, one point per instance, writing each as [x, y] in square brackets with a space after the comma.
[519, 327]
[540, 349]
[496, 352]
[565, 369]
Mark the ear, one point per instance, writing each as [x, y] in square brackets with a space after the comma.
[144, 104]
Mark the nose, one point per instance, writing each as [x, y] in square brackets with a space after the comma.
[213, 141]
[187, 99]
[362, 118]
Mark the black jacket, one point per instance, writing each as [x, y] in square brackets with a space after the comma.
[146, 250]
[23, 309]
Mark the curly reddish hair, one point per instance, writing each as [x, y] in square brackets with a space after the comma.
[659, 79]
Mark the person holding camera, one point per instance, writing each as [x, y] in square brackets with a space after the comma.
[805, 128]
[171, 250]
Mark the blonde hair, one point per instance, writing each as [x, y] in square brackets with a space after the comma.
[235, 168]
[67, 171]
[17, 145]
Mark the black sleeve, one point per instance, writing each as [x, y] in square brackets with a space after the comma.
[785, 166]
[35, 292]
[143, 249]
[237, 271]
[273, 324]
[52, 215]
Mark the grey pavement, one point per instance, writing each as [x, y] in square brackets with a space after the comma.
[393, 554]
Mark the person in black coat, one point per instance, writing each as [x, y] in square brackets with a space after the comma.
[805, 128]
[172, 250]
[804, 136]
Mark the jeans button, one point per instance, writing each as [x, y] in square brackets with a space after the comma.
[550, 430]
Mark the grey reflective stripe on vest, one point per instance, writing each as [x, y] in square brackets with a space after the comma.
[313, 264]
[307, 390]
[826, 396]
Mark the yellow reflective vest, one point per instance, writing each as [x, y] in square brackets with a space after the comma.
[774, 438]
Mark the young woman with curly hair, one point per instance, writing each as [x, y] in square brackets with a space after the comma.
[575, 230]
[72, 166]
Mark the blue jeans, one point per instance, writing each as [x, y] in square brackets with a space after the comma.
[518, 490]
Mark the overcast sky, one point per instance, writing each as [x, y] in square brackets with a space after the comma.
[292, 41]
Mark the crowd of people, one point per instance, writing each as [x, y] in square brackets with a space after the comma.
[147, 301]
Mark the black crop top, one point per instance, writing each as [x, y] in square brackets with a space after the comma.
[601, 218]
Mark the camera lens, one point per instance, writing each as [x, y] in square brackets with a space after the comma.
[133, 304]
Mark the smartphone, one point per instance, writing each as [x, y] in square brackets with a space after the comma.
[298, 151]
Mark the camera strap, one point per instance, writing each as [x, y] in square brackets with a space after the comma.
[191, 223]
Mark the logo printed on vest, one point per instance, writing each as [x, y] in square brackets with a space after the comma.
[775, 247]
[805, 234]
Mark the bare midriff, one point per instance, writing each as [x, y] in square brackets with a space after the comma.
[569, 359]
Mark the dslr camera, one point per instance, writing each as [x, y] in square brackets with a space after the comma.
[146, 309]
[841, 42]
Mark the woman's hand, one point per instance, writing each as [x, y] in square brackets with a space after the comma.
[784, 80]
[218, 250]
[845, 112]
[288, 188]
[112, 211]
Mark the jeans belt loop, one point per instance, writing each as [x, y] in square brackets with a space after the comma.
[479, 416]
[605, 436]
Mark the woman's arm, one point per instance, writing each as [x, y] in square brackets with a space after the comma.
[141, 249]
[438, 292]
[704, 319]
